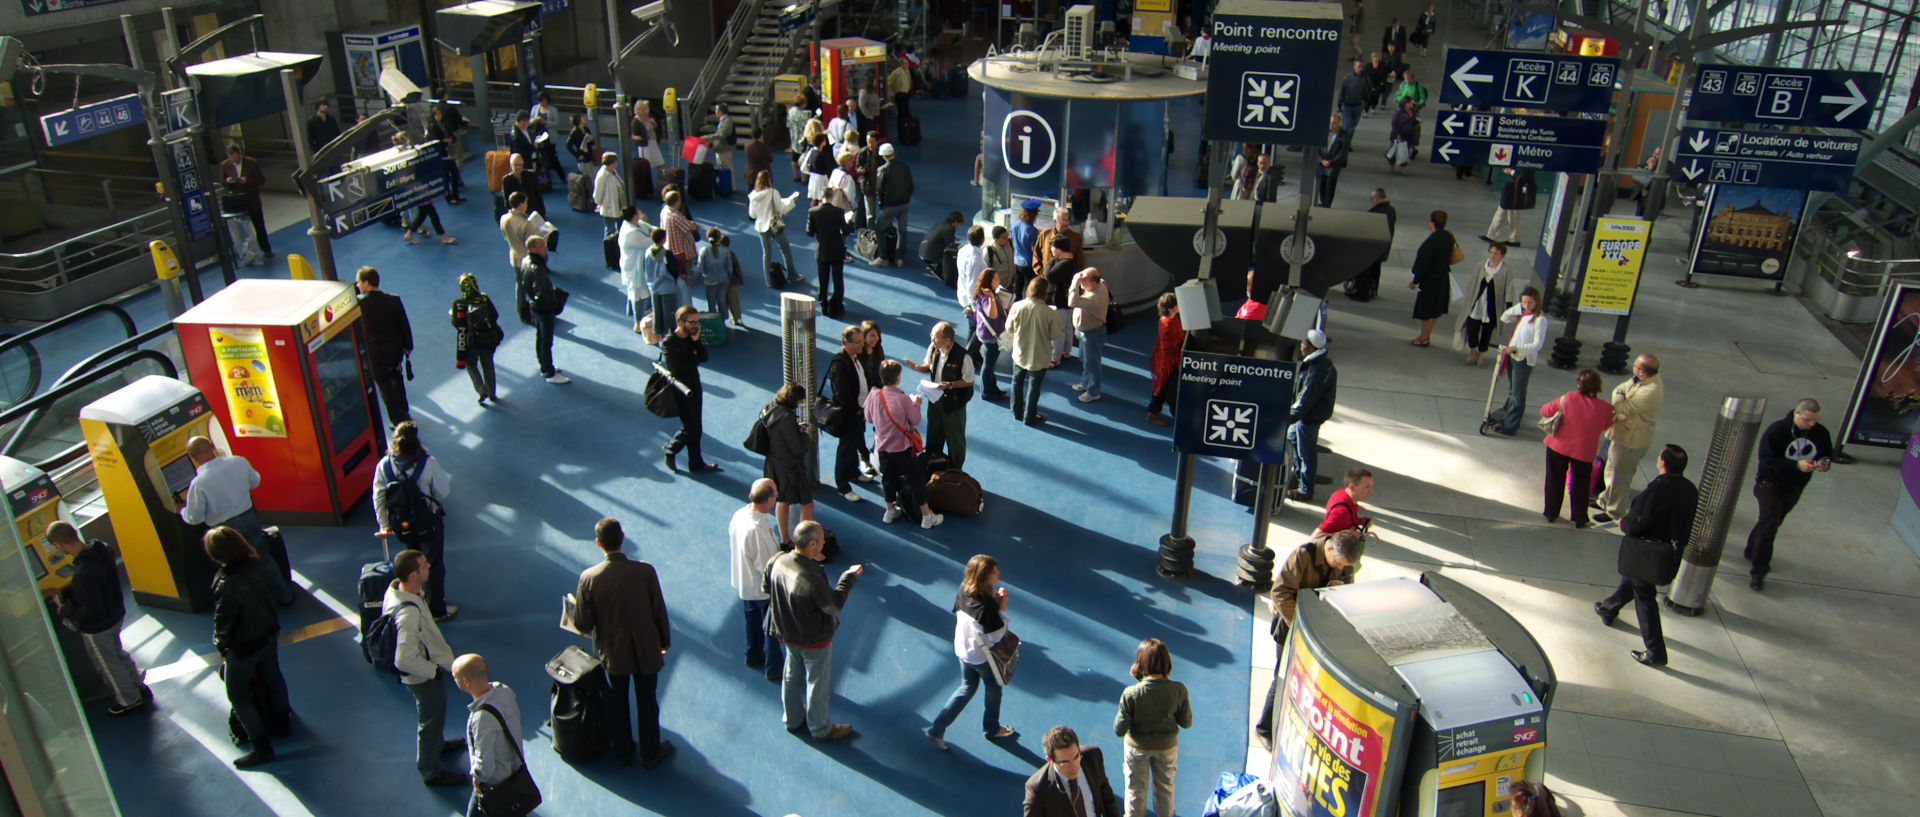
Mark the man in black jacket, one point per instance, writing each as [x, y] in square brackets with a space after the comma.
[896, 192]
[1332, 160]
[1313, 396]
[848, 381]
[828, 224]
[93, 606]
[522, 180]
[322, 127]
[246, 631]
[1790, 451]
[1366, 285]
[682, 353]
[389, 342]
[1663, 512]
[521, 143]
[803, 611]
[1073, 783]
[539, 300]
[1353, 95]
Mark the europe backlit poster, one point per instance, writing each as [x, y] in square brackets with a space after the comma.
[253, 409]
[1330, 746]
[1613, 268]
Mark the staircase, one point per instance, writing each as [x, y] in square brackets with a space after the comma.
[763, 55]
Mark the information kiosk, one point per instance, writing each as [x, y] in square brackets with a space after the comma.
[1412, 696]
[284, 366]
[137, 437]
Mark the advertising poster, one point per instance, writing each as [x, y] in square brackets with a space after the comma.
[253, 410]
[1613, 265]
[1330, 746]
[1748, 232]
[1885, 410]
[1528, 30]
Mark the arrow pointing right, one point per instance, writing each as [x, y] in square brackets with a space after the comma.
[1446, 150]
[1451, 124]
[1853, 101]
[1692, 171]
[1700, 140]
[1462, 76]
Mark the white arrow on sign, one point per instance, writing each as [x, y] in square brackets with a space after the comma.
[1853, 101]
[60, 128]
[1446, 151]
[1450, 123]
[1692, 170]
[1700, 140]
[1462, 76]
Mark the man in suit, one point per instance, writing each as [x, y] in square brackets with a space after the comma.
[828, 223]
[848, 380]
[243, 177]
[1332, 160]
[1395, 36]
[521, 142]
[522, 180]
[1663, 512]
[389, 341]
[620, 605]
[1367, 284]
[1072, 784]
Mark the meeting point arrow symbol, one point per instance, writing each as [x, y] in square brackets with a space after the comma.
[1853, 100]
[1462, 76]
[1451, 124]
[1692, 170]
[1700, 140]
[1446, 151]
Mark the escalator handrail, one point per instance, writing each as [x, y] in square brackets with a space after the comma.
[25, 339]
[129, 344]
[41, 403]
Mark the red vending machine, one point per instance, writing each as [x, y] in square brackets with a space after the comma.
[284, 365]
[846, 65]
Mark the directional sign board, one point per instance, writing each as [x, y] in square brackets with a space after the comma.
[193, 192]
[1528, 79]
[87, 121]
[182, 113]
[355, 198]
[1780, 96]
[1510, 140]
[1233, 407]
[1794, 161]
[1268, 75]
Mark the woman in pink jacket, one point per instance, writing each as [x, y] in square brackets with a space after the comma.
[1583, 417]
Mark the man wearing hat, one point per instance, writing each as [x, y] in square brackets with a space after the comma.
[1315, 381]
[1025, 237]
[896, 192]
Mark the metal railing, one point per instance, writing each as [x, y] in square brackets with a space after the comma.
[56, 449]
[23, 343]
[713, 75]
[117, 193]
[97, 249]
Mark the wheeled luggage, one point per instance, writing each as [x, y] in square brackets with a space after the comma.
[574, 706]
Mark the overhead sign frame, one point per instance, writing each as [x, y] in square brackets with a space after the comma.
[92, 119]
[1766, 159]
[1785, 96]
[1529, 79]
[1549, 143]
[1266, 71]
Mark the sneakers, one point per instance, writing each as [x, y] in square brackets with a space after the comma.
[864, 478]
[452, 610]
[1157, 419]
[892, 514]
[1088, 397]
[850, 496]
[559, 379]
[938, 741]
[931, 521]
[1078, 387]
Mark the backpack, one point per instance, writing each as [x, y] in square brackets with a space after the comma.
[412, 515]
[382, 640]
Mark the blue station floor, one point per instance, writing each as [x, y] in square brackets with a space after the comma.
[1073, 514]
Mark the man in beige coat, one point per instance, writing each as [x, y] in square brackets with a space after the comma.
[1636, 410]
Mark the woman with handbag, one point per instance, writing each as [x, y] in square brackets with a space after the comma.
[1152, 713]
[769, 213]
[990, 305]
[1432, 274]
[1405, 134]
[979, 623]
[1573, 423]
[895, 418]
[787, 456]
[1485, 299]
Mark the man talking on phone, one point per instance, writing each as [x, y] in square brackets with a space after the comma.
[1790, 450]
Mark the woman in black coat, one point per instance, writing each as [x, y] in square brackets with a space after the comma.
[787, 457]
[246, 632]
[1432, 268]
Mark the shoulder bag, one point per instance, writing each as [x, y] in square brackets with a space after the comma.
[1459, 254]
[1648, 560]
[1003, 656]
[913, 435]
[1551, 423]
[758, 439]
[827, 414]
[515, 796]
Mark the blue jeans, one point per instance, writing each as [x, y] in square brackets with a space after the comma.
[543, 343]
[664, 303]
[1026, 392]
[430, 698]
[1516, 395]
[767, 240]
[1093, 342]
[1302, 438]
[810, 670]
[762, 647]
[1349, 118]
[717, 299]
[990, 354]
[893, 252]
[972, 676]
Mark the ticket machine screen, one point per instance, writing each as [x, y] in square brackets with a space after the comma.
[1467, 800]
[178, 474]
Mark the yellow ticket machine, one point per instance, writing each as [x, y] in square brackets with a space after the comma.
[34, 503]
[1413, 696]
[137, 437]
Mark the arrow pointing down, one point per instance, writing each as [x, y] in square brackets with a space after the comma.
[1853, 101]
[1451, 124]
[1700, 140]
[1446, 151]
[1692, 171]
[1462, 76]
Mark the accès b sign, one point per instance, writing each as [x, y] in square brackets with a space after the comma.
[253, 408]
[1331, 747]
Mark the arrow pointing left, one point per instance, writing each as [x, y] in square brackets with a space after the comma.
[1463, 76]
[1853, 101]
[1446, 151]
[1451, 124]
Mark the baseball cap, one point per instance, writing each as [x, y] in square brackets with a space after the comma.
[1317, 338]
[886, 149]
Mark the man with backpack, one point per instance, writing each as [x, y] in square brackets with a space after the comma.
[409, 494]
[408, 643]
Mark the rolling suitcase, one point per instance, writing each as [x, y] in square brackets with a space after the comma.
[374, 579]
[776, 276]
[673, 176]
[579, 192]
[910, 131]
[700, 181]
[642, 179]
[498, 166]
[574, 705]
[723, 182]
[610, 248]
